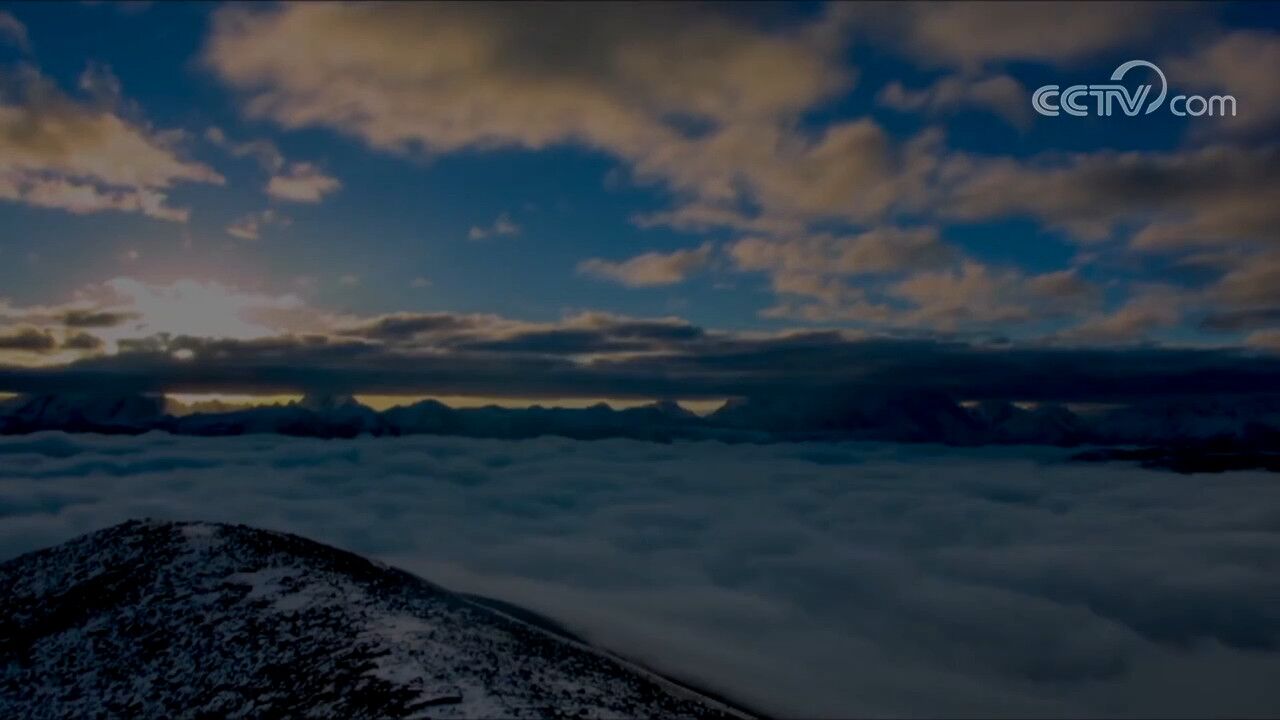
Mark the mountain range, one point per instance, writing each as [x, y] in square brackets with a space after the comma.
[1220, 424]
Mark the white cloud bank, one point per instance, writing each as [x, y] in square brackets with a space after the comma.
[851, 580]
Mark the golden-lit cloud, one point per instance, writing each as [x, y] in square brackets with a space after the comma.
[703, 102]
[302, 182]
[59, 153]
[742, 124]
[290, 181]
[652, 268]
[882, 250]
[206, 309]
[102, 316]
[250, 226]
[964, 296]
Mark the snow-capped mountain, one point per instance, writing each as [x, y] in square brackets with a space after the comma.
[860, 413]
[169, 620]
[1242, 419]
[87, 412]
[1047, 424]
[314, 416]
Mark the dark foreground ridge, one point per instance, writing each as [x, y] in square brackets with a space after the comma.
[160, 619]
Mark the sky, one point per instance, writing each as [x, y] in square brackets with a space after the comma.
[630, 201]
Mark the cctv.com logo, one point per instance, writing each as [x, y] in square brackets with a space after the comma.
[1104, 99]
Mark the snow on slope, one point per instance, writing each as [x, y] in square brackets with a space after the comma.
[151, 619]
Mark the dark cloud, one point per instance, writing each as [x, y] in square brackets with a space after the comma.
[558, 342]
[28, 339]
[973, 34]
[1211, 195]
[595, 334]
[82, 341]
[679, 361]
[96, 318]
[1241, 320]
[404, 326]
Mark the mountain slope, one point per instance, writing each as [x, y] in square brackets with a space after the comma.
[152, 619]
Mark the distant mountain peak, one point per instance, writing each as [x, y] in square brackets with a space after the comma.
[327, 402]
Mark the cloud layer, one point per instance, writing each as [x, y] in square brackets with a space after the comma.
[807, 580]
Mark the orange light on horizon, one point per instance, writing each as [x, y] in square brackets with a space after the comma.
[383, 402]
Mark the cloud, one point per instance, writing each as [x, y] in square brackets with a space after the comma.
[649, 269]
[244, 347]
[250, 226]
[245, 228]
[720, 122]
[13, 31]
[29, 336]
[1237, 64]
[584, 334]
[290, 181]
[978, 294]
[971, 35]
[201, 308]
[302, 182]
[101, 85]
[197, 336]
[58, 153]
[1149, 308]
[729, 118]
[265, 152]
[1245, 296]
[689, 96]
[501, 226]
[1202, 196]
[83, 341]
[916, 281]
[819, 267]
[491, 77]
[28, 339]
[405, 325]
[1265, 339]
[80, 318]
[878, 251]
[1000, 94]
[1241, 320]
[764, 572]
[589, 335]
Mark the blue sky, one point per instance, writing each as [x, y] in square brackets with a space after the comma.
[760, 170]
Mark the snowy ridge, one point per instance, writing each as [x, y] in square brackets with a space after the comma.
[162, 619]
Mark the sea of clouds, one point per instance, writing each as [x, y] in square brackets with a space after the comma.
[801, 579]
